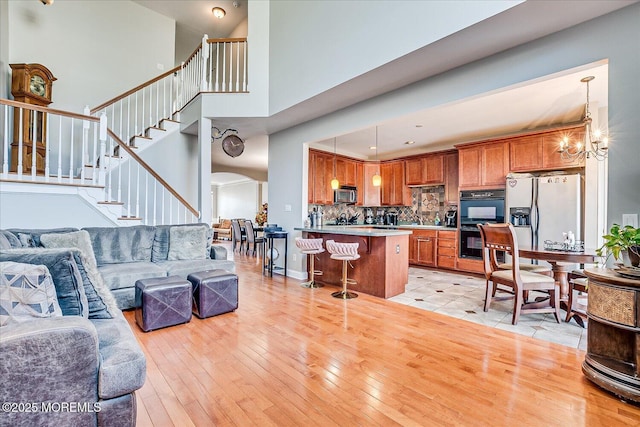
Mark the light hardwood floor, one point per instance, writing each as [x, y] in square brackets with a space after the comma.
[291, 356]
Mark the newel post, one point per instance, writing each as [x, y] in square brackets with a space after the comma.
[102, 136]
[204, 85]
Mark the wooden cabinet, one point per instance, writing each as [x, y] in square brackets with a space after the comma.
[320, 175]
[526, 153]
[371, 195]
[346, 171]
[321, 172]
[422, 247]
[425, 170]
[447, 244]
[394, 192]
[613, 343]
[451, 178]
[540, 152]
[483, 166]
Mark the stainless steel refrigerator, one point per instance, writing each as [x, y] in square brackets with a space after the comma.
[543, 208]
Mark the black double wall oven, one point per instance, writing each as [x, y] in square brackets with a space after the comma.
[478, 207]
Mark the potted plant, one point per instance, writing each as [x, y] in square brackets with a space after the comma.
[622, 242]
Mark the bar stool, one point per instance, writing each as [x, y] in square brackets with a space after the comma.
[344, 252]
[311, 247]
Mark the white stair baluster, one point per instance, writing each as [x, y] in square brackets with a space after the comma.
[20, 142]
[137, 190]
[217, 88]
[47, 154]
[244, 77]
[155, 201]
[5, 143]
[237, 67]
[94, 162]
[143, 127]
[136, 116]
[34, 142]
[85, 144]
[71, 153]
[224, 67]
[146, 197]
[59, 148]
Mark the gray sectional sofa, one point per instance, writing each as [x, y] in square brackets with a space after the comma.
[79, 362]
[126, 254]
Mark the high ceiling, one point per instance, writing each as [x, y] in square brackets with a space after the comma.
[544, 102]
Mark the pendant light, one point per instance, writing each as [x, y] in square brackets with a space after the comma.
[335, 184]
[377, 179]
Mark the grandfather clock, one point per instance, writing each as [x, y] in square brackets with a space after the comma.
[31, 84]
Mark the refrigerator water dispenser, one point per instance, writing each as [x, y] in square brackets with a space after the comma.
[520, 217]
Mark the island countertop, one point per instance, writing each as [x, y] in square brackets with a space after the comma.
[356, 230]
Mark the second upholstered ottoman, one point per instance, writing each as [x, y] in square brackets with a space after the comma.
[162, 302]
[214, 292]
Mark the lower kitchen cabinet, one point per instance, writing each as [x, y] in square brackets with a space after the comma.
[447, 247]
[422, 247]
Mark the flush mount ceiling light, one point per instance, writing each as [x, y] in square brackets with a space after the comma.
[232, 144]
[409, 142]
[46, 2]
[595, 143]
[218, 12]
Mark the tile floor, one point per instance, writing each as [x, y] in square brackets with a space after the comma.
[462, 296]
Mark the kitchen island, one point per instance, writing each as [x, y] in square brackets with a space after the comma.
[383, 267]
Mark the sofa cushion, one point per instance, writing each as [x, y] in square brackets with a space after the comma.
[162, 238]
[118, 276]
[30, 237]
[102, 305]
[113, 245]
[8, 240]
[122, 365]
[26, 292]
[183, 268]
[64, 272]
[187, 243]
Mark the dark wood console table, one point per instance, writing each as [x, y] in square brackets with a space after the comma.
[613, 341]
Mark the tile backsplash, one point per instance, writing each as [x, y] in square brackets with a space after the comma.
[425, 203]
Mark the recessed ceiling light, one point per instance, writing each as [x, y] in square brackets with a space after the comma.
[373, 147]
[410, 142]
[418, 126]
[218, 12]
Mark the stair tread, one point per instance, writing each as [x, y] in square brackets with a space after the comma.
[110, 203]
[130, 218]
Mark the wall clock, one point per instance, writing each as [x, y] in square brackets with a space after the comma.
[233, 145]
[31, 84]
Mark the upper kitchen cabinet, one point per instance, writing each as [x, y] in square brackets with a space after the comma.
[451, 178]
[370, 194]
[346, 171]
[320, 175]
[483, 165]
[425, 170]
[540, 152]
[394, 191]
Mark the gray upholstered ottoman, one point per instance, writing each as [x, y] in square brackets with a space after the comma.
[162, 302]
[214, 292]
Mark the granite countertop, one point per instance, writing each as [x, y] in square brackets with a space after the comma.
[358, 230]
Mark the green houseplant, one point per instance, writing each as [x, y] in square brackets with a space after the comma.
[621, 240]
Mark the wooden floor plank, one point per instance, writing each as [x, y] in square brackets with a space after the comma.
[296, 356]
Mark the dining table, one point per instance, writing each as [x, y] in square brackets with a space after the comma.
[562, 263]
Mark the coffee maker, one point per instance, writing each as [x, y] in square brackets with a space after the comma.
[391, 218]
[368, 216]
[380, 217]
[451, 218]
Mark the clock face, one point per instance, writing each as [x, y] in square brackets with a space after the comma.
[37, 86]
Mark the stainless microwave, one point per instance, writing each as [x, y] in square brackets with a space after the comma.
[345, 194]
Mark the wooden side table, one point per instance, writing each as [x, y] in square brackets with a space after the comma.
[613, 342]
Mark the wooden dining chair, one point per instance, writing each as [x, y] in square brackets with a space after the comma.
[502, 238]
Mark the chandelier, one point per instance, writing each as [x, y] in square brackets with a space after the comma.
[595, 143]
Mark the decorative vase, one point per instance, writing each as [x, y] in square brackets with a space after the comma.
[633, 254]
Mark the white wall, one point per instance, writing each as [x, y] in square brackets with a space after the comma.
[96, 49]
[614, 37]
[238, 200]
[46, 210]
[182, 175]
[330, 44]
[5, 88]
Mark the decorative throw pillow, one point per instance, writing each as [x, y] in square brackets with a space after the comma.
[102, 304]
[26, 292]
[187, 242]
[64, 272]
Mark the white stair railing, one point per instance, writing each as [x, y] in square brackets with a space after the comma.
[65, 144]
[74, 150]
